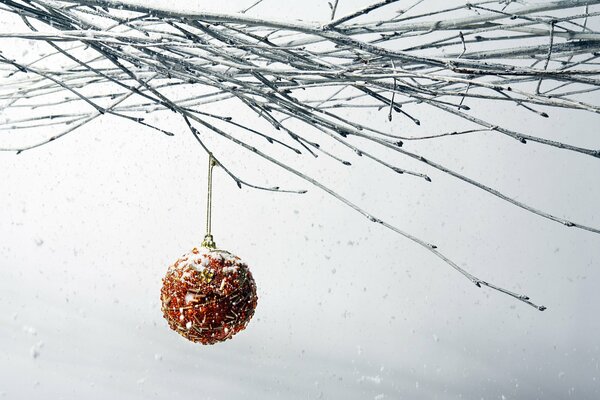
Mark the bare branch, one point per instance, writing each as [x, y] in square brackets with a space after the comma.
[312, 83]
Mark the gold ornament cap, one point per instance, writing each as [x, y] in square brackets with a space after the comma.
[209, 242]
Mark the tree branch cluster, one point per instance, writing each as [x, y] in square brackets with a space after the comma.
[128, 60]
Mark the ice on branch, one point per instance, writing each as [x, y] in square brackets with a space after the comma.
[399, 58]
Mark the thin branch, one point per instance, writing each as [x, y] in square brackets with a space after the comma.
[104, 52]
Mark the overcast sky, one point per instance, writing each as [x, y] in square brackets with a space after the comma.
[347, 309]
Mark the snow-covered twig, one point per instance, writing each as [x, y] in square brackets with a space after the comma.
[128, 60]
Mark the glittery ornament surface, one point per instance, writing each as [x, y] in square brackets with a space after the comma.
[208, 295]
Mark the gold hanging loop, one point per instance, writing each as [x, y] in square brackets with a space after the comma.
[208, 241]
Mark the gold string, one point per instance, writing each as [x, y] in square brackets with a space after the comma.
[208, 238]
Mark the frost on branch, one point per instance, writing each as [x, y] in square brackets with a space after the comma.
[125, 60]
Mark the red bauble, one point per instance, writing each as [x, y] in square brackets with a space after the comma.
[208, 295]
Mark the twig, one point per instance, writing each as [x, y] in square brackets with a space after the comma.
[158, 58]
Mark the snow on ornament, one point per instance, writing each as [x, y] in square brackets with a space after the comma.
[208, 295]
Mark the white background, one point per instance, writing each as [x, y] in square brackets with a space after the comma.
[347, 309]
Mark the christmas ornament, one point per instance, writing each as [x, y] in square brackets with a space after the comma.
[208, 295]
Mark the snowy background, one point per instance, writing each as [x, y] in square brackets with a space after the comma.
[347, 309]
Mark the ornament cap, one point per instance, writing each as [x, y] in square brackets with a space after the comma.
[209, 242]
